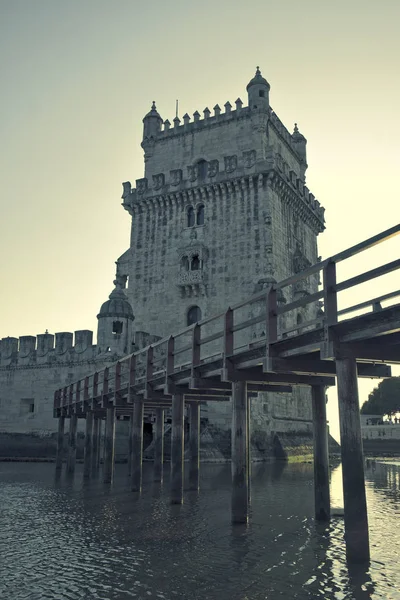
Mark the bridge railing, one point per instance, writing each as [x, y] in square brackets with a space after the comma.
[331, 287]
[252, 324]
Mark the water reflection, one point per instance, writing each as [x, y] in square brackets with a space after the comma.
[63, 537]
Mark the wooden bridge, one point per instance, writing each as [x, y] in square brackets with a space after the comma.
[213, 361]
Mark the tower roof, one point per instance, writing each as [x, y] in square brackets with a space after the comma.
[258, 79]
[296, 135]
[153, 112]
[118, 304]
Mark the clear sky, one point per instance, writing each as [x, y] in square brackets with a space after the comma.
[77, 78]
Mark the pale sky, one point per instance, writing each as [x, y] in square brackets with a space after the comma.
[77, 78]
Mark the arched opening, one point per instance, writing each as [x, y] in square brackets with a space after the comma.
[200, 215]
[299, 319]
[190, 217]
[193, 315]
[117, 327]
[195, 264]
[185, 263]
[202, 169]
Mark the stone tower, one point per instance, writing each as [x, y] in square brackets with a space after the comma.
[221, 209]
[221, 212]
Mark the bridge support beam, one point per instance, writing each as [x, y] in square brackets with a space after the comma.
[355, 505]
[137, 446]
[109, 445]
[194, 446]
[88, 456]
[240, 477]
[60, 443]
[177, 449]
[73, 424]
[321, 454]
[159, 445]
[130, 444]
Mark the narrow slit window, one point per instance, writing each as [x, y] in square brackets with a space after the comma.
[190, 217]
[200, 215]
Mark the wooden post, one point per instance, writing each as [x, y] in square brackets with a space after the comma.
[130, 444]
[177, 449]
[240, 498]
[99, 439]
[137, 445]
[355, 505]
[73, 423]
[88, 457]
[60, 443]
[248, 449]
[159, 445]
[109, 445]
[321, 454]
[194, 446]
[95, 442]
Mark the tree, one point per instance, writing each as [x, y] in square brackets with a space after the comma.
[384, 399]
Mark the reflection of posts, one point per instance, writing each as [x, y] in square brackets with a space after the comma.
[321, 455]
[355, 505]
[240, 498]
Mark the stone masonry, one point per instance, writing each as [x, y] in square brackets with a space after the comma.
[222, 211]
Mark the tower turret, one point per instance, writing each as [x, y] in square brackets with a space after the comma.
[258, 92]
[300, 143]
[115, 322]
[151, 123]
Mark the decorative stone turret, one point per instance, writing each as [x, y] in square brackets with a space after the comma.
[151, 128]
[300, 143]
[115, 322]
[258, 92]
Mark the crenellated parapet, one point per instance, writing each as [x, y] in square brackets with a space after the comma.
[62, 348]
[47, 349]
[219, 179]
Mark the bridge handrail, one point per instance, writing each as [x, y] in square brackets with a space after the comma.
[109, 378]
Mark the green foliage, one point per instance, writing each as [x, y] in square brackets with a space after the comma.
[384, 399]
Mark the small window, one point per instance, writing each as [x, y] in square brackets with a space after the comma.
[195, 263]
[193, 315]
[202, 169]
[261, 93]
[190, 217]
[200, 215]
[27, 406]
[299, 319]
[117, 327]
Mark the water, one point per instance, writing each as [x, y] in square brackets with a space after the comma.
[67, 539]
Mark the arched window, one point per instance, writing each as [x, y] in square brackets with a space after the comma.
[185, 263]
[202, 169]
[190, 217]
[117, 327]
[200, 215]
[195, 266]
[193, 315]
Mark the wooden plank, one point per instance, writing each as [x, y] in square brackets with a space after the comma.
[313, 366]
[368, 275]
[366, 327]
